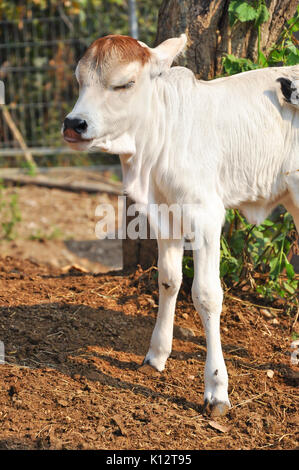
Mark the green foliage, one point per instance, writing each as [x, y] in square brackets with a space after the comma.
[257, 254]
[249, 250]
[30, 168]
[232, 64]
[248, 253]
[114, 177]
[96, 17]
[55, 234]
[41, 43]
[9, 215]
[240, 10]
[284, 52]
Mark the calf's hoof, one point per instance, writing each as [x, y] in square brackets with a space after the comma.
[157, 361]
[216, 408]
[147, 369]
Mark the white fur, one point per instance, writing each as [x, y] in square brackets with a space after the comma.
[228, 143]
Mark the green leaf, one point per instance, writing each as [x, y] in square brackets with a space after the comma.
[295, 27]
[230, 215]
[276, 56]
[262, 15]
[289, 268]
[224, 268]
[290, 47]
[241, 11]
[268, 223]
[262, 60]
[292, 59]
[290, 289]
[257, 233]
[188, 268]
[232, 64]
[275, 268]
[294, 22]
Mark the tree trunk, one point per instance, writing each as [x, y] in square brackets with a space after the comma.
[141, 252]
[209, 36]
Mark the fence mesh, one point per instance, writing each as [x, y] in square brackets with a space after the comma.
[37, 63]
[38, 56]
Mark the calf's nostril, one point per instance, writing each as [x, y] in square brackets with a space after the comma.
[81, 127]
[78, 125]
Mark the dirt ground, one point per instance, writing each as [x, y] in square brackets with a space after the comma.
[74, 342]
[57, 227]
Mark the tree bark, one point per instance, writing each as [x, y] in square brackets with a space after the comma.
[143, 252]
[206, 25]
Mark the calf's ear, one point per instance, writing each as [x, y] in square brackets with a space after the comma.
[163, 55]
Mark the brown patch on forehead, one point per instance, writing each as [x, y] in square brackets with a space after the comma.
[109, 49]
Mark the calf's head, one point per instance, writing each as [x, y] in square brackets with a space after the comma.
[115, 76]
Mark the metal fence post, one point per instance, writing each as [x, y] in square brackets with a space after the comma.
[133, 19]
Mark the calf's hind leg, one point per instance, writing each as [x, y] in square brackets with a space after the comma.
[207, 297]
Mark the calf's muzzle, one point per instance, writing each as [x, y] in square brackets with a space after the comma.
[77, 125]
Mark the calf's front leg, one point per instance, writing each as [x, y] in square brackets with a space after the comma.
[170, 278]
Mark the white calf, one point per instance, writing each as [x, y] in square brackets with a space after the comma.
[231, 142]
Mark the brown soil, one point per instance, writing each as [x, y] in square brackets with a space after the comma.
[57, 227]
[74, 342]
[73, 346]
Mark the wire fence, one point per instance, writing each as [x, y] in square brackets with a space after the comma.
[37, 61]
[37, 64]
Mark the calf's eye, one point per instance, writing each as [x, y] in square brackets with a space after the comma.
[125, 86]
